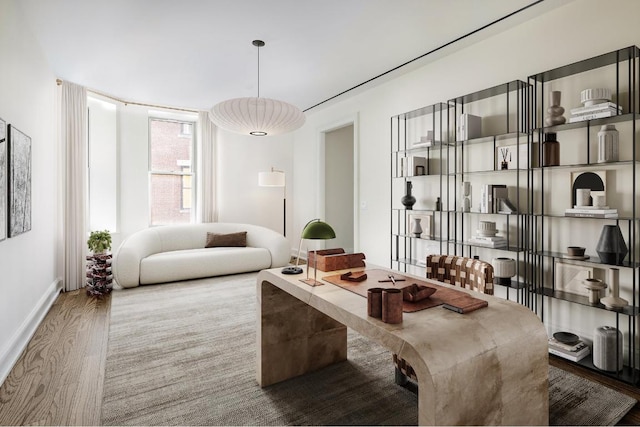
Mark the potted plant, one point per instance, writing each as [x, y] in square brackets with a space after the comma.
[99, 241]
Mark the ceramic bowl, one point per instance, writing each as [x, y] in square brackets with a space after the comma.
[575, 250]
[415, 292]
[595, 96]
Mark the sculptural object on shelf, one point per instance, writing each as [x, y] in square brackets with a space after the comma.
[555, 111]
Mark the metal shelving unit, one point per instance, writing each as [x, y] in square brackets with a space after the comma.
[619, 69]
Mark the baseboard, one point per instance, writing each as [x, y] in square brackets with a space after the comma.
[21, 338]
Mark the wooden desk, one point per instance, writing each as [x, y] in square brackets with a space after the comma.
[488, 367]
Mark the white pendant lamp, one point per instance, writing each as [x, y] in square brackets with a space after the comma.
[257, 116]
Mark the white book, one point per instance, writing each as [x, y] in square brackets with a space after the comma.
[583, 209]
[574, 356]
[596, 107]
[487, 243]
[591, 207]
[592, 215]
[580, 118]
[568, 347]
[490, 238]
[585, 113]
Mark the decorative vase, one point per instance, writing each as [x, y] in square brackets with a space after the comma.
[608, 144]
[611, 247]
[503, 270]
[416, 228]
[438, 204]
[607, 349]
[550, 150]
[555, 111]
[408, 200]
[614, 301]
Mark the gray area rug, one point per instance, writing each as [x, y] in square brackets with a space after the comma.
[184, 354]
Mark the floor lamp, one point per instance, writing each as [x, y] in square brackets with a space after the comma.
[276, 178]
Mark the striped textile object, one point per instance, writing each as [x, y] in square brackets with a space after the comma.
[465, 272]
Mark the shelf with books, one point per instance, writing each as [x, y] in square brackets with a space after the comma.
[420, 156]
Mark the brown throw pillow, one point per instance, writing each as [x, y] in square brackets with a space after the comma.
[215, 240]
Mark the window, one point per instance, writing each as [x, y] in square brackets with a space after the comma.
[171, 171]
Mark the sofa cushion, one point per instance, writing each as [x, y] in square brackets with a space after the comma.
[217, 240]
[204, 262]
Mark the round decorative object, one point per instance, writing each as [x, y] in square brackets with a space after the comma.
[575, 251]
[566, 337]
[487, 228]
[594, 286]
[503, 270]
[408, 200]
[607, 349]
[595, 96]
[613, 301]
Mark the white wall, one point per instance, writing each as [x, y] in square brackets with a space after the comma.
[240, 159]
[28, 267]
[557, 38]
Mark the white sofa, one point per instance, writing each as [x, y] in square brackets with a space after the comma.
[177, 252]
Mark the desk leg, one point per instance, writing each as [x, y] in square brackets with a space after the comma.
[294, 338]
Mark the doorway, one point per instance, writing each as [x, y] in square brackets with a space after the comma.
[339, 185]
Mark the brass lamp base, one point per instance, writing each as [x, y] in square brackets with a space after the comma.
[312, 282]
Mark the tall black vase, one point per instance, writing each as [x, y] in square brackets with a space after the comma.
[408, 200]
[611, 247]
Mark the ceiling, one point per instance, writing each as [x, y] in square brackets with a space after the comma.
[196, 53]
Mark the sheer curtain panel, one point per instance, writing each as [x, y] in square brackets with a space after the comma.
[208, 211]
[73, 133]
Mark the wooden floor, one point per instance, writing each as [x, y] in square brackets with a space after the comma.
[58, 379]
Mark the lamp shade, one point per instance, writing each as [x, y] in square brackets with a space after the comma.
[257, 116]
[317, 229]
[271, 179]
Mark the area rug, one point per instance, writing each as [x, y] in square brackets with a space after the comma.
[184, 354]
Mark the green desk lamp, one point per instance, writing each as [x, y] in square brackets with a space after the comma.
[314, 230]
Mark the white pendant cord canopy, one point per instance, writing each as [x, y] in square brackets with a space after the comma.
[257, 116]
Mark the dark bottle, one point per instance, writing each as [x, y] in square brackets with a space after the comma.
[550, 150]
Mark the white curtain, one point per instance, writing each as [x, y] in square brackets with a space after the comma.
[207, 129]
[73, 134]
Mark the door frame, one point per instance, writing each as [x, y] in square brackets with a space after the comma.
[320, 179]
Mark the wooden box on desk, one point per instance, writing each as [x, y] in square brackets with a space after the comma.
[335, 259]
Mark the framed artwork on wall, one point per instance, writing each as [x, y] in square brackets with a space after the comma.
[3, 180]
[569, 278]
[19, 181]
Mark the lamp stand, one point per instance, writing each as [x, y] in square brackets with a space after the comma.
[314, 281]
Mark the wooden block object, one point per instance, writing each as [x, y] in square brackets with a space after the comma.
[335, 259]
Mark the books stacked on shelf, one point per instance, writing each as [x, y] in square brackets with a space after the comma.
[596, 111]
[592, 212]
[574, 352]
[489, 241]
[413, 166]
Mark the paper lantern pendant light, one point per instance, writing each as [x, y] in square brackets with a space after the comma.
[257, 116]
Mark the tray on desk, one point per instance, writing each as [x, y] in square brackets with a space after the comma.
[443, 294]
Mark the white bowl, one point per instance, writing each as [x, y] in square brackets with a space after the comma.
[595, 96]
